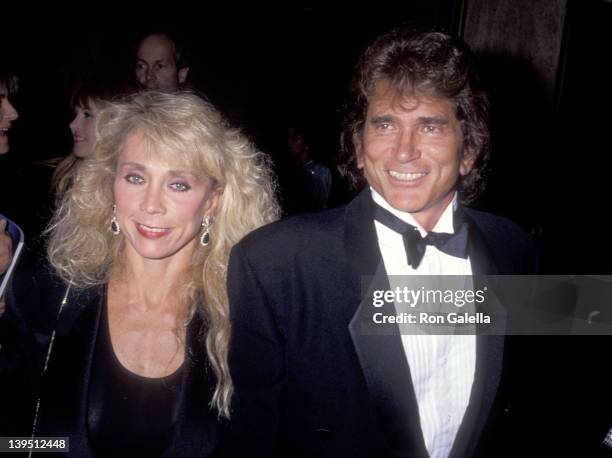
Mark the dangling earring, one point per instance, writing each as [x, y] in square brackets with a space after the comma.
[115, 229]
[205, 237]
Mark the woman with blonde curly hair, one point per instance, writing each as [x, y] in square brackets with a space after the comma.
[137, 362]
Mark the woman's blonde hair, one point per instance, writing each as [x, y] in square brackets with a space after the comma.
[183, 128]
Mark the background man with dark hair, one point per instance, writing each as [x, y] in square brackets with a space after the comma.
[9, 85]
[307, 381]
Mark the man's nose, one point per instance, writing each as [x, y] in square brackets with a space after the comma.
[408, 148]
[151, 73]
[10, 112]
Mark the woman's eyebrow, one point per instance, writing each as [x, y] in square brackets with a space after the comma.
[134, 165]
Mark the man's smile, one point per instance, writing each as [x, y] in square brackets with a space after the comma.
[406, 176]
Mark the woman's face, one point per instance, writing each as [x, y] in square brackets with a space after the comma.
[83, 128]
[160, 205]
[8, 114]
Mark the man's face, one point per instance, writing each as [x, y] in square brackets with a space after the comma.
[411, 151]
[156, 65]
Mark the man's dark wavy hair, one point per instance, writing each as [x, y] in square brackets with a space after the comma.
[420, 63]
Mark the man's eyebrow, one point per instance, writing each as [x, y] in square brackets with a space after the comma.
[380, 119]
[440, 120]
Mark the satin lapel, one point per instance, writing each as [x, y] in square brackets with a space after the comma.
[360, 241]
[63, 408]
[489, 351]
[381, 357]
[197, 430]
[480, 255]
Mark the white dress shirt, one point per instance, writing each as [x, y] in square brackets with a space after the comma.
[441, 366]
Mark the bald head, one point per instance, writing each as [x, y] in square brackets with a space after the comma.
[156, 64]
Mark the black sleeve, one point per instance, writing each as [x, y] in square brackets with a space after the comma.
[17, 373]
[32, 302]
[257, 364]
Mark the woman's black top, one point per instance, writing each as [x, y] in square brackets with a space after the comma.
[128, 414]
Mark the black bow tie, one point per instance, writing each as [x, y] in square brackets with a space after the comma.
[415, 245]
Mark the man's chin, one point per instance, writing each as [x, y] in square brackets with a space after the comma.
[404, 204]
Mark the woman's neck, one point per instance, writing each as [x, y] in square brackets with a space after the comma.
[151, 284]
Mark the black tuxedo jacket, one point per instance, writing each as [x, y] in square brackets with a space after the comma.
[306, 383]
[31, 317]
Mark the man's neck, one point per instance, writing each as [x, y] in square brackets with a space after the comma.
[443, 222]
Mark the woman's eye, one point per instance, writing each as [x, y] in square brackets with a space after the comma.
[134, 179]
[180, 187]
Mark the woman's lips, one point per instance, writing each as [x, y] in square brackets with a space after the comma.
[152, 232]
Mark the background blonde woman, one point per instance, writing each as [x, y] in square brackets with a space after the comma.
[139, 248]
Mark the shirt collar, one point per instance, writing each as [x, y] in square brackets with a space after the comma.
[444, 224]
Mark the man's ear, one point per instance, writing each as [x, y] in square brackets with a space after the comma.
[467, 162]
[182, 74]
[358, 143]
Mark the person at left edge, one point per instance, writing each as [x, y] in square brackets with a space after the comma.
[139, 246]
[8, 114]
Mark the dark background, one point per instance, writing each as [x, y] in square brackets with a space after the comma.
[264, 67]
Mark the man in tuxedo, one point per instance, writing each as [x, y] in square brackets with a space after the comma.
[307, 381]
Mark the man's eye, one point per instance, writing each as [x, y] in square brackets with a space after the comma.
[384, 126]
[180, 187]
[88, 114]
[431, 129]
[134, 179]
[159, 66]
